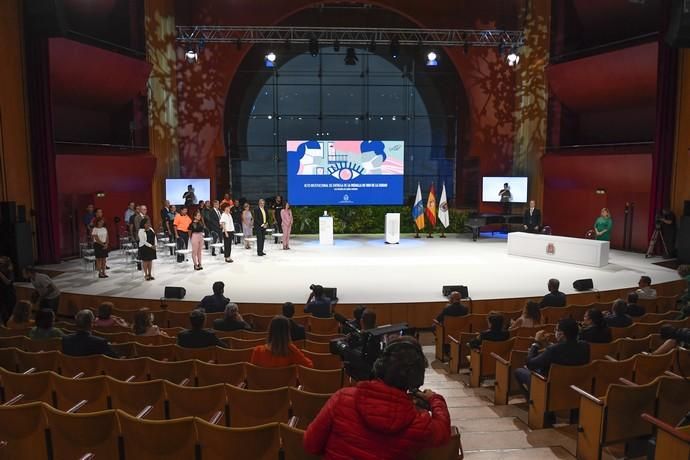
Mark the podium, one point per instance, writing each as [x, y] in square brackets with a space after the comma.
[326, 230]
[392, 228]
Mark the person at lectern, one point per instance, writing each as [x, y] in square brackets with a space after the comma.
[260, 226]
[532, 218]
[506, 198]
[603, 226]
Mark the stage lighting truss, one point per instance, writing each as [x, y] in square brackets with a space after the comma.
[363, 37]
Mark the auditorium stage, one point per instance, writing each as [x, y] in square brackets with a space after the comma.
[363, 268]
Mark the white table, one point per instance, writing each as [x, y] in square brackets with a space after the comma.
[392, 226]
[326, 230]
[559, 248]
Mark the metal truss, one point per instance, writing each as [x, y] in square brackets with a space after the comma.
[350, 36]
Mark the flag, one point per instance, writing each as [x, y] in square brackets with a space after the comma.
[443, 214]
[431, 206]
[418, 209]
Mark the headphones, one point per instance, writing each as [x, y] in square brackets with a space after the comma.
[410, 371]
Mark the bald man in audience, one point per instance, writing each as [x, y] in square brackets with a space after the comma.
[454, 308]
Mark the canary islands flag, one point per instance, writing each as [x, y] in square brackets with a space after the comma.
[418, 209]
[431, 206]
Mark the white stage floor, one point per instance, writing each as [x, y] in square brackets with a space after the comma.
[363, 268]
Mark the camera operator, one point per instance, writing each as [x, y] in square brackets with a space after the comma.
[666, 223]
[378, 419]
[673, 337]
[318, 304]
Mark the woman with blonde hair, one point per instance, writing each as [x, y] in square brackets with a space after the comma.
[279, 351]
[531, 316]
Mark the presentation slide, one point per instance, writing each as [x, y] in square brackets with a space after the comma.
[494, 188]
[345, 172]
[187, 191]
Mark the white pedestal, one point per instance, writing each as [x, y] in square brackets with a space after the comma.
[559, 248]
[326, 230]
[392, 228]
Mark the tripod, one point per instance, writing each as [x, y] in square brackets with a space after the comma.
[656, 237]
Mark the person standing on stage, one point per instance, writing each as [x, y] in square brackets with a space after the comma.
[129, 212]
[278, 206]
[228, 227]
[181, 225]
[667, 221]
[226, 201]
[532, 218]
[147, 247]
[189, 196]
[100, 246]
[603, 226]
[165, 217]
[247, 224]
[260, 225]
[213, 224]
[506, 198]
[87, 219]
[133, 231]
[138, 218]
[196, 232]
[286, 224]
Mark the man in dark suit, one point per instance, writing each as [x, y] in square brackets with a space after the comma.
[320, 306]
[594, 328]
[532, 218]
[618, 316]
[213, 224]
[633, 308]
[554, 298]
[567, 352]
[232, 320]
[215, 303]
[165, 217]
[197, 336]
[495, 333]
[82, 343]
[260, 226]
[296, 330]
[454, 308]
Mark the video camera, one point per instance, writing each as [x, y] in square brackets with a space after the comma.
[360, 349]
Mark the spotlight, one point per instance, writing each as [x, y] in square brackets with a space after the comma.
[336, 45]
[192, 55]
[431, 59]
[395, 48]
[313, 46]
[351, 57]
[513, 58]
[372, 46]
[270, 59]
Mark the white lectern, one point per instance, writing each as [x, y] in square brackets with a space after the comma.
[326, 230]
[393, 228]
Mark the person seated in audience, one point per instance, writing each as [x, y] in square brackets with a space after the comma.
[143, 324]
[320, 306]
[495, 332]
[618, 316]
[378, 418]
[567, 351]
[684, 299]
[670, 334]
[645, 289]
[531, 317]
[231, 320]
[454, 308]
[279, 351]
[297, 331]
[356, 321]
[197, 336]
[633, 308]
[21, 316]
[554, 298]
[105, 317]
[82, 342]
[594, 328]
[215, 303]
[368, 319]
[45, 318]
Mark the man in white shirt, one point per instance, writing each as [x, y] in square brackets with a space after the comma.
[228, 229]
[645, 290]
[46, 294]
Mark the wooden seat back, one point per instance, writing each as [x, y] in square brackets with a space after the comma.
[551, 315]
[600, 350]
[266, 378]
[158, 352]
[133, 397]
[132, 369]
[158, 439]
[323, 325]
[42, 361]
[242, 344]
[317, 347]
[483, 364]
[88, 366]
[625, 404]
[630, 347]
[172, 371]
[293, 443]
[22, 432]
[672, 401]
[257, 407]
[320, 381]
[609, 372]
[324, 361]
[561, 397]
[207, 354]
[75, 435]
[306, 405]
[228, 356]
[216, 442]
[322, 338]
[68, 392]
[36, 386]
[259, 322]
[211, 374]
[8, 359]
[649, 367]
[43, 345]
[203, 402]
[531, 331]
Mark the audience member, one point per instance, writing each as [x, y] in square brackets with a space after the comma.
[594, 328]
[368, 319]
[495, 332]
[634, 309]
[645, 289]
[454, 308]
[216, 302]
[320, 307]
[377, 419]
[197, 336]
[670, 334]
[21, 316]
[356, 322]
[8, 294]
[279, 351]
[531, 316]
[105, 317]
[46, 294]
[567, 351]
[618, 316]
[44, 326]
[297, 331]
[554, 298]
[232, 320]
[82, 342]
[143, 324]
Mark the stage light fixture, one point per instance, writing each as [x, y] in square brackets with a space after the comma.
[372, 46]
[270, 60]
[513, 58]
[313, 46]
[336, 46]
[395, 48]
[431, 59]
[351, 57]
[192, 55]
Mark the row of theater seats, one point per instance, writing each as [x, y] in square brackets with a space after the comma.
[188, 372]
[39, 432]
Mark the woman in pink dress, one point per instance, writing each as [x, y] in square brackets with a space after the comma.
[286, 217]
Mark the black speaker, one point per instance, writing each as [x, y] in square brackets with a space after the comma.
[678, 33]
[331, 293]
[16, 242]
[683, 241]
[8, 212]
[452, 287]
[686, 208]
[583, 285]
[175, 292]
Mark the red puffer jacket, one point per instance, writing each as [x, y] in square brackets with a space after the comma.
[376, 421]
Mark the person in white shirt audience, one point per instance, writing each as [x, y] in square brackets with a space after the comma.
[645, 290]
[228, 231]
[46, 294]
